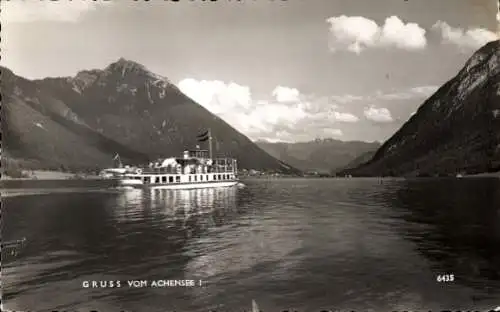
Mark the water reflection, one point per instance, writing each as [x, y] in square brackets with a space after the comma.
[174, 204]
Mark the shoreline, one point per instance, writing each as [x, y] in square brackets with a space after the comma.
[31, 175]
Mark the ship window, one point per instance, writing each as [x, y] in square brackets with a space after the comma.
[218, 177]
[157, 180]
[189, 178]
[206, 177]
[195, 178]
[201, 178]
[170, 179]
[146, 180]
[164, 179]
[215, 177]
[177, 179]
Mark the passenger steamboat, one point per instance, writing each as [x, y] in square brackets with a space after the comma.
[194, 169]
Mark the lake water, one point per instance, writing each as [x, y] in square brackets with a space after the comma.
[303, 244]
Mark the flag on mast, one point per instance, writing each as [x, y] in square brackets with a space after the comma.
[116, 157]
[204, 136]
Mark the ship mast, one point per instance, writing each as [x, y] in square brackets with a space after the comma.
[117, 157]
[210, 143]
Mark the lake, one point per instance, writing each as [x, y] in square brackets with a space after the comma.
[302, 244]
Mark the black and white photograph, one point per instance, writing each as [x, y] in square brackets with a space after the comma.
[250, 155]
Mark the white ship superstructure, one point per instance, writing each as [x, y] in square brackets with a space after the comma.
[194, 169]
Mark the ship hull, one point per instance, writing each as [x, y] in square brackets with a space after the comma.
[176, 186]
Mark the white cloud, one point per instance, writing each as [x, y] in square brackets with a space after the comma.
[36, 10]
[347, 98]
[405, 94]
[408, 36]
[472, 38]
[356, 33]
[344, 117]
[285, 94]
[217, 96]
[378, 114]
[234, 104]
[333, 132]
[425, 90]
[289, 116]
[273, 114]
[412, 93]
[305, 118]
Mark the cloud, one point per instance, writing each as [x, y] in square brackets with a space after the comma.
[36, 10]
[347, 98]
[412, 93]
[333, 132]
[344, 117]
[472, 38]
[234, 103]
[285, 94]
[285, 114]
[382, 115]
[424, 90]
[419, 92]
[289, 115]
[217, 96]
[356, 33]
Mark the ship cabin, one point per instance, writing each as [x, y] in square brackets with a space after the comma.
[194, 166]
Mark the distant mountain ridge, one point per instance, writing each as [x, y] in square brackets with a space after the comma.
[83, 121]
[456, 130]
[321, 155]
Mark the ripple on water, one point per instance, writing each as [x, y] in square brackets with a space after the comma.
[304, 244]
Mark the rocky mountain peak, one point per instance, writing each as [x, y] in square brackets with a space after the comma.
[123, 75]
[126, 66]
[128, 69]
[488, 53]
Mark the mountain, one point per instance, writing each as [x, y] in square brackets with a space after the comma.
[83, 121]
[456, 130]
[322, 155]
[361, 159]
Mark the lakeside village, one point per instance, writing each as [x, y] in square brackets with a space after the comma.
[14, 170]
[62, 174]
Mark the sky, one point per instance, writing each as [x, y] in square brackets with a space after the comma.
[275, 70]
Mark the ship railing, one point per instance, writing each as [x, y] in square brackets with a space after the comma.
[192, 170]
[160, 170]
[211, 169]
